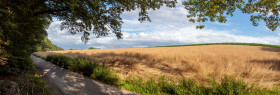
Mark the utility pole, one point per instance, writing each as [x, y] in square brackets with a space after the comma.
[112, 45]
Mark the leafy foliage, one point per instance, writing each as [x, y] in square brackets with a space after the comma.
[217, 10]
[23, 22]
[85, 67]
[13, 67]
[32, 83]
[46, 45]
[99, 16]
[29, 83]
[92, 48]
[229, 86]
[19, 33]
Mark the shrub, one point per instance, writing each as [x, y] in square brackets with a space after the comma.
[228, 86]
[32, 83]
[86, 67]
[89, 69]
[65, 61]
[92, 48]
[105, 75]
[16, 65]
[74, 65]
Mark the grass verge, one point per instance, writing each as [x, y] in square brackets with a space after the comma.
[162, 86]
[85, 67]
[248, 44]
[158, 86]
[30, 82]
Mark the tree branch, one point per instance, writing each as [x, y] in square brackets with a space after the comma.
[49, 11]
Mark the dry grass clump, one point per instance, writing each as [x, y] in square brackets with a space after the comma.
[254, 64]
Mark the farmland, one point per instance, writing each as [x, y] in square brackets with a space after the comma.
[253, 64]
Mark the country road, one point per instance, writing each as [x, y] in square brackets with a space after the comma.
[64, 82]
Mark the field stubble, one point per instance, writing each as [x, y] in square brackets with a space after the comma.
[254, 64]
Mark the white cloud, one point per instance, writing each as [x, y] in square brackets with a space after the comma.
[169, 26]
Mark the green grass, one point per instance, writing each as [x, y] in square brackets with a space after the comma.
[229, 86]
[248, 44]
[159, 86]
[85, 67]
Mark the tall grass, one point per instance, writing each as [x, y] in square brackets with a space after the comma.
[162, 86]
[85, 67]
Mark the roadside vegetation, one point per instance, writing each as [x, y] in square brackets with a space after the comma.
[21, 70]
[85, 67]
[46, 45]
[163, 86]
[29, 82]
[158, 85]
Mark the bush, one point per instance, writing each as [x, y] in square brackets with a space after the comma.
[89, 69]
[105, 75]
[230, 87]
[86, 67]
[32, 83]
[92, 48]
[16, 65]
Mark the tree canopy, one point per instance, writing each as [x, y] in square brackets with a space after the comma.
[92, 48]
[98, 16]
[46, 45]
[218, 10]
[23, 23]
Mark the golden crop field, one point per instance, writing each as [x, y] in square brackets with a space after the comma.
[253, 64]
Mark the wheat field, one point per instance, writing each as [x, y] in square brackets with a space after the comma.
[253, 64]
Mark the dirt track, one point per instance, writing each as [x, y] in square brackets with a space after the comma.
[63, 82]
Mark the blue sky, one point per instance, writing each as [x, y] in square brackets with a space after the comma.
[169, 26]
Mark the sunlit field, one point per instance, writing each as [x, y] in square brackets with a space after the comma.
[253, 64]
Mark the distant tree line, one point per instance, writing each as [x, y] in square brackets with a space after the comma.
[46, 45]
[83, 49]
[93, 48]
